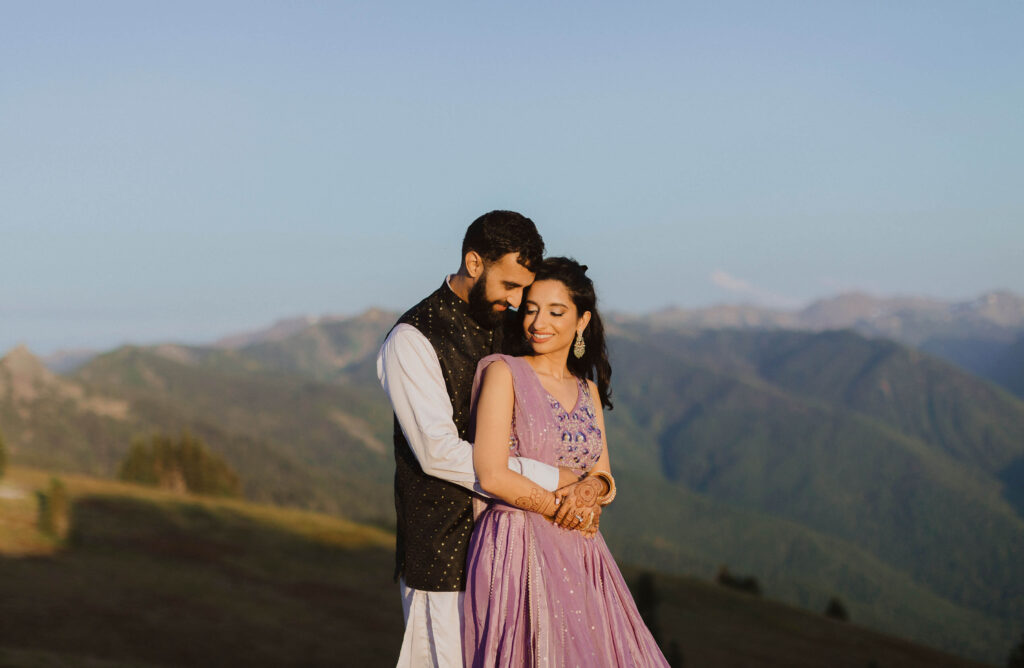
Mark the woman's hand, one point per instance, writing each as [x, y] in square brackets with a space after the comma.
[578, 507]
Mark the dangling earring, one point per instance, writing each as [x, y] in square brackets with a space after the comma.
[579, 347]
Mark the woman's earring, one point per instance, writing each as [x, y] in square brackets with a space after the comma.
[579, 347]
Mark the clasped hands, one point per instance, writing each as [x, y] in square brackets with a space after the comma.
[577, 505]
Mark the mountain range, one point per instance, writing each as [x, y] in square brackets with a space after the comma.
[825, 462]
[984, 335]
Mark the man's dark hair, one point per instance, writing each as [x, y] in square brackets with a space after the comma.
[495, 234]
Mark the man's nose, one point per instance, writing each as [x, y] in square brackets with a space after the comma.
[514, 298]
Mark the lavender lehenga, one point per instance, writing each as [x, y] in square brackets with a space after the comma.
[536, 594]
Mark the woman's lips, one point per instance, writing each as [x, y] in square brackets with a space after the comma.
[540, 338]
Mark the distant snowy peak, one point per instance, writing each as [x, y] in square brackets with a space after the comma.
[848, 309]
[997, 315]
[722, 316]
[1001, 307]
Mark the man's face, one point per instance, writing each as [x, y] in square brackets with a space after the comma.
[499, 288]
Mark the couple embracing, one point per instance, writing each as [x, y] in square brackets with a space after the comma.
[502, 467]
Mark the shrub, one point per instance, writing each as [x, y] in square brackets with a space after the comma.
[836, 610]
[745, 583]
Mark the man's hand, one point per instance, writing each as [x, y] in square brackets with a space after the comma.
[578, 506]
[591, 530]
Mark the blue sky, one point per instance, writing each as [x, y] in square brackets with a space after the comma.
[180, 171]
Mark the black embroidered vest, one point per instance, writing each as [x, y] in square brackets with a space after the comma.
[435, 517]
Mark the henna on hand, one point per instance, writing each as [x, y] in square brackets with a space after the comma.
[566, 510]
[588, 491]
[538, 501]
[578, 499]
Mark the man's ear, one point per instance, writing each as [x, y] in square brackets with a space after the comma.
[474, 264]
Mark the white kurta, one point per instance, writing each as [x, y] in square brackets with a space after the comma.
[410, 373]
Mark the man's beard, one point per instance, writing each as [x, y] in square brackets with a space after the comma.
[480, 308]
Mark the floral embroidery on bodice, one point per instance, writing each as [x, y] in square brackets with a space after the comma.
[580, 444]
[577, 438]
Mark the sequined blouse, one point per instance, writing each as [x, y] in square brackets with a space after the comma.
[574, 437]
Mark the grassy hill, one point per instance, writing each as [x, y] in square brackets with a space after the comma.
[147, 578]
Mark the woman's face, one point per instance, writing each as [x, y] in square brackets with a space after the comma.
[550, 320]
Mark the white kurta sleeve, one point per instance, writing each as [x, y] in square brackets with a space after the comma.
[410, 374]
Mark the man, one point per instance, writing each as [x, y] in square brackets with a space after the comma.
[426, 366]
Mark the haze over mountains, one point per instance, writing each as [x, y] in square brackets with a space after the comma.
[984, 335]
[832, 451]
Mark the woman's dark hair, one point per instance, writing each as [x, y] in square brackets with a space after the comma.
[594, 363]
[498, 233]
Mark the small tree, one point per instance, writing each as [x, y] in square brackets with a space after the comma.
[1016, 659]
[139, 464]
[675, 656]
[836, 610]
[54, 507]
[647, 604]
[3, 456]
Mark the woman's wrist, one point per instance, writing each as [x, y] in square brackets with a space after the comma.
[609, 494]
[550, 506]
[538, 501]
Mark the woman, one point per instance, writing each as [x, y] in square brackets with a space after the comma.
[537, 593]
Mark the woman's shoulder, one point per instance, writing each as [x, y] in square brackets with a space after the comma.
[496, 357]
[510, 361]
[507, 365]
[496, 365]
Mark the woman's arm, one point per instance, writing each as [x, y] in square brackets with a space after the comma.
[490, 448]
[604, 463]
